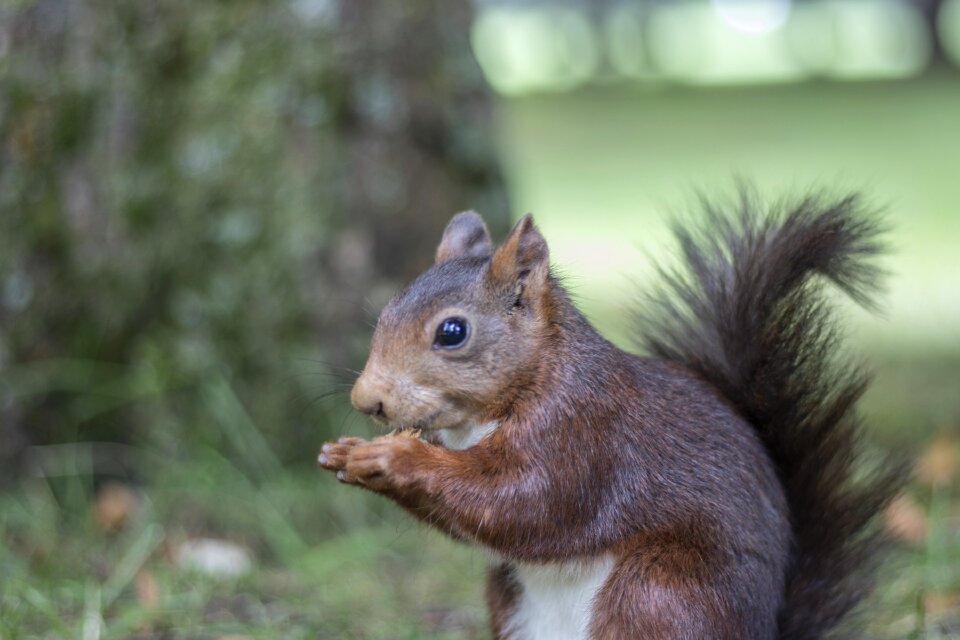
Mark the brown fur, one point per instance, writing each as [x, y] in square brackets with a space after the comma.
[597, 452]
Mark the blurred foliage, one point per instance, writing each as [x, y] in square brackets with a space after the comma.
[202, 207]
[198, 192]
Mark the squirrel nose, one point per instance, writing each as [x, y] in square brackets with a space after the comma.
[367, 398]
[373, 410]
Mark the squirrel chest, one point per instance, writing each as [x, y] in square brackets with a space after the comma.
[553, 600]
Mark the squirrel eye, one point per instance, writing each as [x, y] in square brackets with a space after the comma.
[451, 333]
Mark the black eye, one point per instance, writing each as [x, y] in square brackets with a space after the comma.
[451, 333]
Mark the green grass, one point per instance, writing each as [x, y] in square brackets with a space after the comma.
[329, 561]
[371, 574]
[379, 581]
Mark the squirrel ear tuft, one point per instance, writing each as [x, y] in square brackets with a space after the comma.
[466, 236]
[523, 258]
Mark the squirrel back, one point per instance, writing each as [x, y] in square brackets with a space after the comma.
[746, 314]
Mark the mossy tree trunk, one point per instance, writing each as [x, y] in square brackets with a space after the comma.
[191, 191]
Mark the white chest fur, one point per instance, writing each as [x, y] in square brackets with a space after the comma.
[556, 599]
[466, 436]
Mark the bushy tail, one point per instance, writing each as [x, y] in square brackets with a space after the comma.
[746, 312]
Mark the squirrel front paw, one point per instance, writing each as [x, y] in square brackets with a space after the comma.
[377, 465]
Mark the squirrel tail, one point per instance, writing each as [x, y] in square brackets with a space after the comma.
[746, 313]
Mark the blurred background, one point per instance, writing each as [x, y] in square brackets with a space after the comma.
[203, 206]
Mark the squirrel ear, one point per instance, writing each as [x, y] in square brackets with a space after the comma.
[466, 236]
[523, 258]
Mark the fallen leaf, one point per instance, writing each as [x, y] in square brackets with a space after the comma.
[906, 520]
[941, 602]
[113, 507]
[146, 588]
[937, 465]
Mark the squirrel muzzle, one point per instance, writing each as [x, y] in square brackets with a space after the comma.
[368, 394]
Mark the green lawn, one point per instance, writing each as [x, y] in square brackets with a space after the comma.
[604, 172]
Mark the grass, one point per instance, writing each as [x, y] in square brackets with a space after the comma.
[329, 562]
[372, 583]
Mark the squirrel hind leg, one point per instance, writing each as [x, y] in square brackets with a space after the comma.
[503, 595]
[665, 587]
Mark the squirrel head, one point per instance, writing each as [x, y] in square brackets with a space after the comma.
[466, 336]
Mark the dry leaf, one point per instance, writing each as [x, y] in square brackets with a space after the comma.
[937, 465]
[146, 588]
[941, 602]
[114, 506]
[906, 520]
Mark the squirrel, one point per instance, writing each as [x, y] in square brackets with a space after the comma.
[710, 489]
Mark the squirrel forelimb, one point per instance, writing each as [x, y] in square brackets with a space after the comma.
[368, 464]
[490, 494]
[379, 465]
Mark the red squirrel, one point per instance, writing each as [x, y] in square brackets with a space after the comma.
[707, 490]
